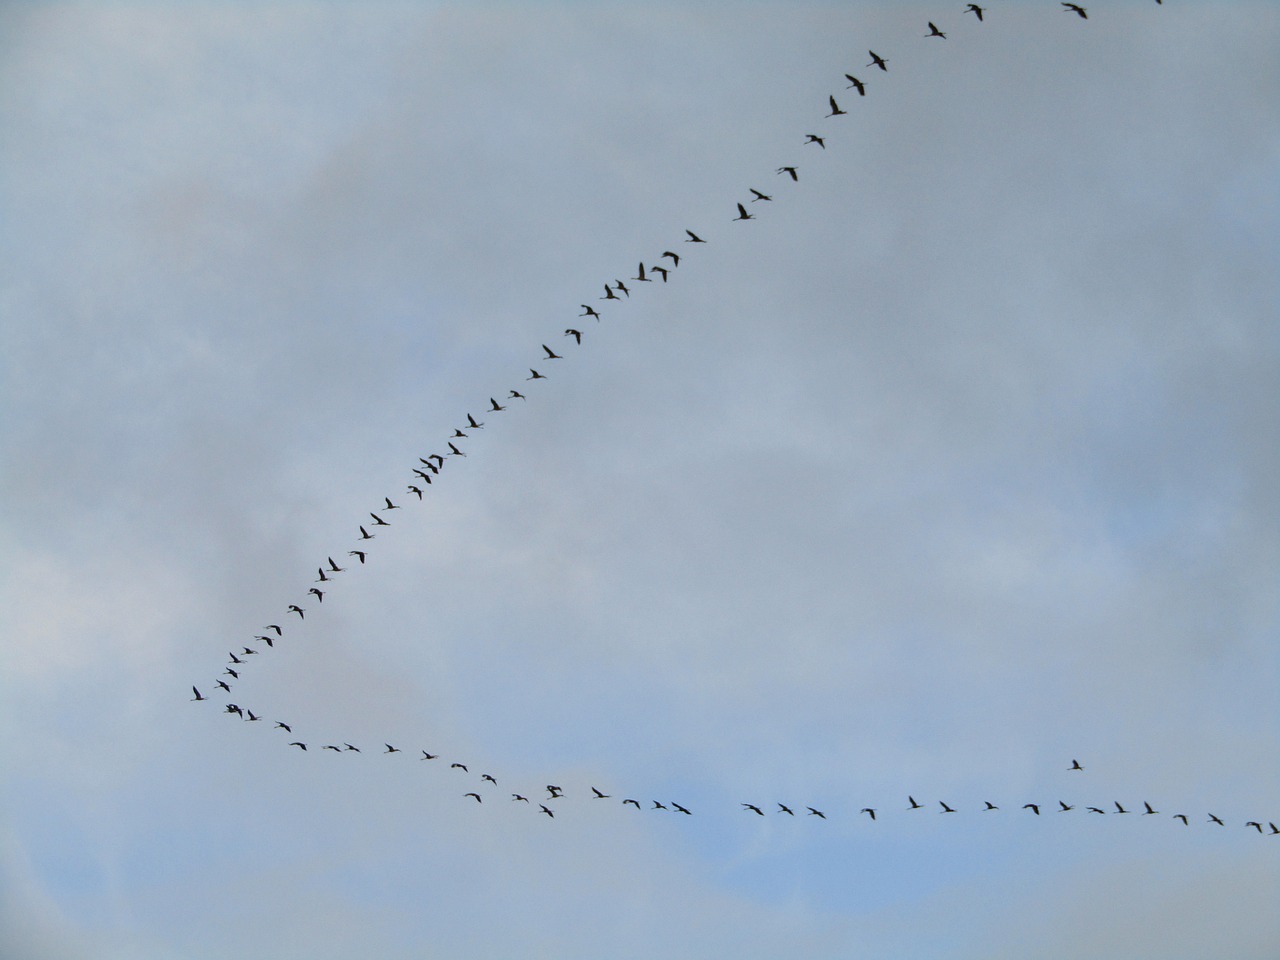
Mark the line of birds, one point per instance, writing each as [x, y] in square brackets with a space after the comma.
[428, 468]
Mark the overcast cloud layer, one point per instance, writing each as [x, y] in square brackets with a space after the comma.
[958, 462]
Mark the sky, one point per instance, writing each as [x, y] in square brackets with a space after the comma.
[957, 463]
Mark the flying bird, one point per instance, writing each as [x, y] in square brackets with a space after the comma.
[298, 610]
[869, 811]
[1033, 807]
[334, 567]
[378, 521]
[753, 808]
[476, 795]
[322, 578]
[622, 288]
[392, 506]
[835, 108]
[1213, 819]
[252, 716]
[814, 138]
[783, 808]
[634, 803]
[914, 806]
[945, 808]
[232, 672]
[351, 748]
[1075, 765]
[1149, 810]
[544, 809]
[576, 334]
[276, 628]
[365, 535]
[816, 813]
[878, 61]
[517, 395]
[267, 640]
[459, 766]
[977, 10]
[391, 749]
[496, 406]
[234, 658]
[1077, 9]
[197, 695]
[1255, 824]
[455, 451]
[551, 354]
[693, 237]
[1095, 810]
[319, 594]
[641, 277]
[330, 746]
[1065, 807]
[675, 257]
[223, 685]
[299, 744]
[429, 756]
[934, 31]
[554, 791]
[742, 214]
[358, 554]
[686, 812]
[413, 489]
[475, 424]
[758, 195]
[536, 375]
[789, 170]
[232, 708]
[599, 795]
[990, 805]
[281, 725]
[856, 84]
[485, 776]
[516, 796]
[1119, 809]
[661, 271]
[658, 806]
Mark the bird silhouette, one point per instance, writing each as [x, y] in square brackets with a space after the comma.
[675, 257]
[517, 395]
[945, 808]
[816, 813]
[485, 776]
[660, 271]
[758, 195]
[856, 84]
[544, 809]
[742, 214]
[634, 803]
[977, 10]
[622, 288]
[1149, 809]
[753, 808]
[351, 748]
[608, 294]
[681, 809]
[1095, 810]
[455, 451]
[319, 594]
[1182, 817]
[990, 805]
[224, 686]
[1065, 807]
[551, 354]
[365, 535]
[693, 237]
[1075, 765]
[391, 749]
[914, 806]
[869, 811]
[553, 791]
[474, 423]
[459, 766]
[814, 138]
[496, 407]
[1076, 9]
[599, 795]
[878, 61]
[358, 554]
[250, 715]
[1213, 819]
[658, 806]
[1119, 809]
[474, 795]
[298, 610]
[934, 31]
[789, 170]
[1033, 807]
[322, 578]
[535, 375]
[576, 334]
[299, 744]
[413, 489]
[275, 627]
[392, 506]
[333, 567]
[516, 796]
[378, 521]
[232, 672]
[783, 808]
[197, 695]
[835, 108]
[281, 725]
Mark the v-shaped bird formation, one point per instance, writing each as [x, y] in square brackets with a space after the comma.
[655, 270]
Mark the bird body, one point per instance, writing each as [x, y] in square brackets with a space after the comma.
[878, 61]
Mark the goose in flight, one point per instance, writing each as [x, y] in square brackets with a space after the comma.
[455, 451]
[687, 813]
[333, 567]
[816, 813]
[675, 257]
[878, 61]
[641, 277]
[351, 748]
[914, 806]
[1076, 9]
[544, 809]
[609, 294]
[990, 805]
[783, 808]
[276, 628]
[588, 311]
[485, 776]
[267, 640]
[232, 708]
[693, 237]
[252, 716]
[934, 31]
[753, 808]
[429, 756]
[391, 749]
[622, 288]
[742, 214]
[535, 376]
[299, 744]
[789, 170]
[517, 395]
[977, 11]
[814, 138]
[1065, 807]
[365, 535]
[322, 578]
[281, 725]
[330, 746]
[1182, 817]
[1075, 765]
[661, 271]
[1149, 809]
[658, 806]
[599, 795]
[1033, 807]
[516, 796]
[551, 354]
[835, 108]
[496, 406]
[392, 506]
[234, 658]
[475, 795]
[1095, 810]
[459, 766]
[945, 808]
[378, 521]
[634, 803]
[1255, 824]
[869, 811]
[554, 792]
[758, 195]
[298, 610]
[197, 695]
[473, 423]
[576, 334]
[1213, 819]
[358, 554]
[232, 672]
[319, 594]
[1119, 809]
[856, 84]
[223, 684]
[413, 489]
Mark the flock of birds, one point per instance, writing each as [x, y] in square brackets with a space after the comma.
[428, 469]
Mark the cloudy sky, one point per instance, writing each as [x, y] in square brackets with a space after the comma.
[957, 463]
